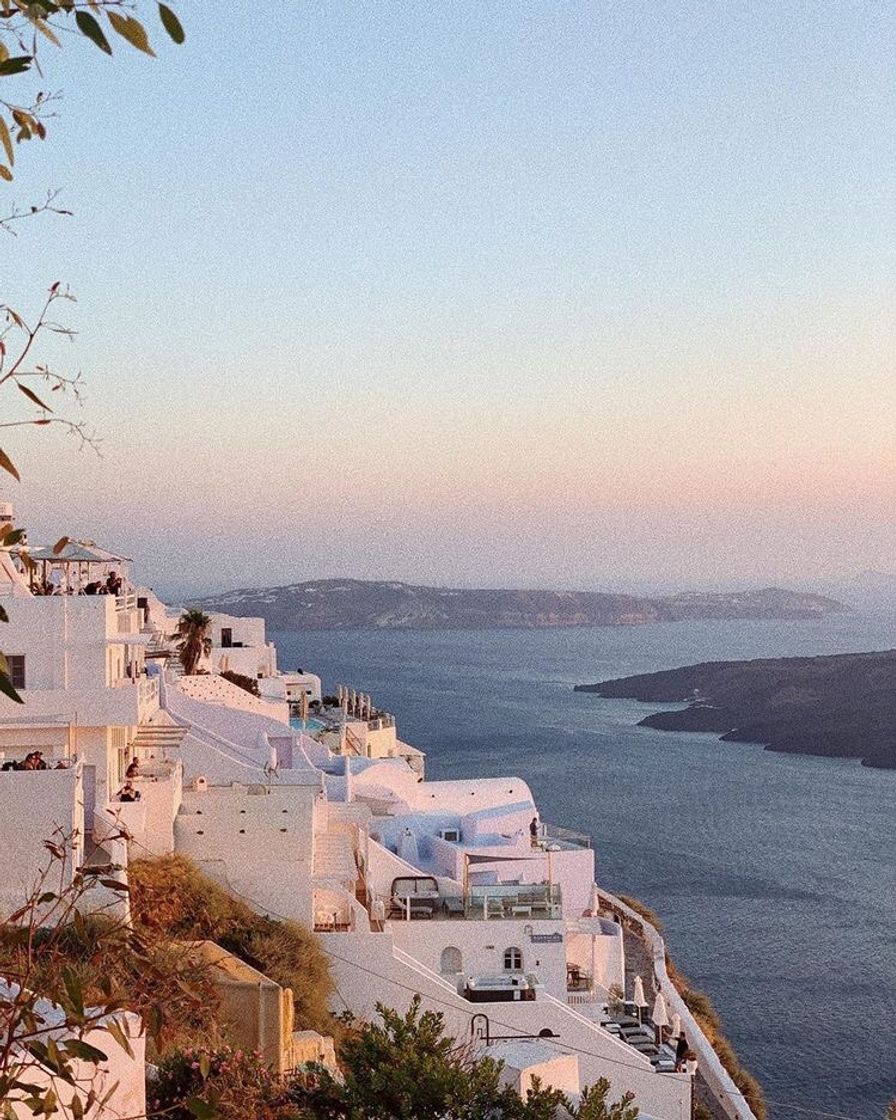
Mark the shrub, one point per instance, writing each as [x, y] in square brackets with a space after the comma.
[172, 896]
[406, 1068]
[149, 975]
[644, 911]
[700, 1006]
[231, 1084]
[250, 684]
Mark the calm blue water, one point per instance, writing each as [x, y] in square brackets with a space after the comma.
[775, 875]
[309, 724]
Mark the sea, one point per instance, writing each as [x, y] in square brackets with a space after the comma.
[774, 875]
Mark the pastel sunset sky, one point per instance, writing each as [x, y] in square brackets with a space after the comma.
[547, 294]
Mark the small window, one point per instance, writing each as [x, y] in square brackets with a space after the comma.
[226, 637]
[513, 959]
[16, 663]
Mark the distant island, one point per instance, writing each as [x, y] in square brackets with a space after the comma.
[841, 706]
[350, 604]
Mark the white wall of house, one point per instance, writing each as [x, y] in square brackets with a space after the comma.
[596, 947]
[150, 821]
[69, 640]
[368, 969]
[482, 945]
[213, 689]
[297, 684]
[121, 1075]
[258, 839]
[476, 793]
[524, 1061]
[37, 805]
[239, 644]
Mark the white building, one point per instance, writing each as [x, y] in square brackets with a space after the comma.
[240, 646]
[453, 890]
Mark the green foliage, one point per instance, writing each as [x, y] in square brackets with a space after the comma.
[171, 896]
[405, 1068]
[24, 27]
[218, 1084]
[595, 1105]
[97, 961]
[90, 970]
[250, 684]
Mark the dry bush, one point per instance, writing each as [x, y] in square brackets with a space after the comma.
[700, 1006]
[644, 911]
[148, 975]
[171, 895]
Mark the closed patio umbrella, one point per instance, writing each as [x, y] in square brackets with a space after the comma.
[638, 997]
[676, 1025]
[660, 1017]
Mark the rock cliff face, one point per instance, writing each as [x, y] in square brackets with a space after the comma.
[841, 706]
[346, 604]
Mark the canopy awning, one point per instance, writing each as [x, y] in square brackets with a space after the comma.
[79, 552]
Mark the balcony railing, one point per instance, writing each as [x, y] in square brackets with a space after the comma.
[483, 903]
[565, 837]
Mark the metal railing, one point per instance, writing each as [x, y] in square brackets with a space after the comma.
[549, 832]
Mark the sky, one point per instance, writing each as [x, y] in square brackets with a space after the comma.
[525, 294]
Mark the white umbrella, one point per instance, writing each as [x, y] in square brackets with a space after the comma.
[660, 1016]
[676, 1025]
[638, 997]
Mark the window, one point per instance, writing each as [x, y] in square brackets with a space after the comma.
[226, 637]
[452, 961]
[513, 959]
[16, 669]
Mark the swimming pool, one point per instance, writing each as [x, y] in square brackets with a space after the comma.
[309, 724]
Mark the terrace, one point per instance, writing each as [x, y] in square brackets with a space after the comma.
[554, 837]
[420, 897]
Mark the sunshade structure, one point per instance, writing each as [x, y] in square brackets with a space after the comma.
[78, 564]
[638, 997]
[660, 1016]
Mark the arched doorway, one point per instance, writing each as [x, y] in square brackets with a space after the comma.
[452, 961]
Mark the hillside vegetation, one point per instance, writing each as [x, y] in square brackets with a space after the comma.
[171, 896]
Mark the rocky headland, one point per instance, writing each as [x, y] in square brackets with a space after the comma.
[350, 604]
[841, 706]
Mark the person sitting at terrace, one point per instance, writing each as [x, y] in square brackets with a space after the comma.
[34, 761]
[133, 770]
[128, 793]
[113, 583]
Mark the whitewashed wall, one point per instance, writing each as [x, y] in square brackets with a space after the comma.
[261, 843]
[366, 970]
[34, 805]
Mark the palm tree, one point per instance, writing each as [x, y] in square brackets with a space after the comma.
[192, 629]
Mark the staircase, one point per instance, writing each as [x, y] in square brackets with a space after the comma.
[158, 738]
[334, 858]
[161, 649]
